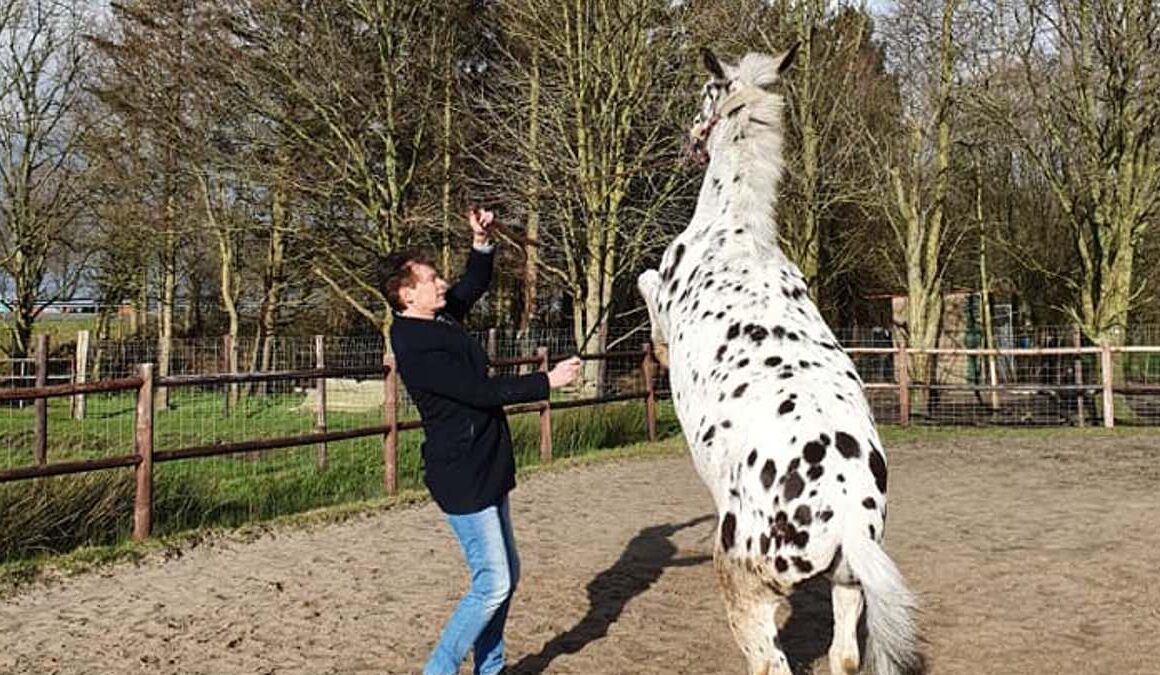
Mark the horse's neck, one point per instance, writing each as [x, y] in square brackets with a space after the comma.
[740, 187]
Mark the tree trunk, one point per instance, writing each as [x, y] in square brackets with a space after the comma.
[102, 334]
[447, 129]
[985, 286]
[139, 320]
[274, 276]
[531, 200]
[22, 323]
[168, 300]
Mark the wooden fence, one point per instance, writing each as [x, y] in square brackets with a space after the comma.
[1106, 390]
[147, 382]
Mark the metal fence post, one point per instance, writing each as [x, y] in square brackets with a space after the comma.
[143, 502]
[391, 413]
[648, 372]
[545, 413]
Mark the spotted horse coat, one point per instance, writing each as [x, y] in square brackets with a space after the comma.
[771, 406]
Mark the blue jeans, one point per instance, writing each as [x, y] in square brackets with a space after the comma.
[490, 549]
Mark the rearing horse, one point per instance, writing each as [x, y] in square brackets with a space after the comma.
[770, 404]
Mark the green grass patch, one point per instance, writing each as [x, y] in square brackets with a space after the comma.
[892, 433]
[62, 329]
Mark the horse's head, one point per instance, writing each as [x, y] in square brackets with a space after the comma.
[733, 88]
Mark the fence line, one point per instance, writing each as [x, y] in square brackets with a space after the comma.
[914, 385]
[147, 382]
[1073, 384]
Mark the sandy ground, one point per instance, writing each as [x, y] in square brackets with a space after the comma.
[1030, 556]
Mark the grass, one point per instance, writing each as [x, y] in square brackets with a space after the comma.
[48, 517]
[892, 434]
[62, 329]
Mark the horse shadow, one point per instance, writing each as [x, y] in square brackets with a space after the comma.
[807, 634]
[805, 637]
[641, 565]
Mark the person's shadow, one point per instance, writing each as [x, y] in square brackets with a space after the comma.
[640, 566]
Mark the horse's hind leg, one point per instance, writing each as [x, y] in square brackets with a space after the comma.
[751, 605]
[847, 601]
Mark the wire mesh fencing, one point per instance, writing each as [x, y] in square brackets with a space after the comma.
[1038, 376]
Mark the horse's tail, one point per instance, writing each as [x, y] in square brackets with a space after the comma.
[891, 645]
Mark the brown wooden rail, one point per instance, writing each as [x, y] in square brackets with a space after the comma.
[271, 376]
[60, 390]
[65, 468]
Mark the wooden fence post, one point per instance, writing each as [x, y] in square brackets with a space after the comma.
[1108, 382]
[545, 413]
[903, 369]
[492, 348]
[143, 503]
[1078, 367]
[41, 404]
[648, 372]
[391, 413]
[320, 383]
[80, 373]
[230, 390]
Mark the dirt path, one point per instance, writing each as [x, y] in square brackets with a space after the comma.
[1030, 556]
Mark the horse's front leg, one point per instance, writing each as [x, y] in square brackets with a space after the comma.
[649, 283]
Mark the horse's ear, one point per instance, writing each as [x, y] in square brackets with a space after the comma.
[786, 59]
[712, 64]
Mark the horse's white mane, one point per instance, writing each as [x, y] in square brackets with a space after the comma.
[755, 69]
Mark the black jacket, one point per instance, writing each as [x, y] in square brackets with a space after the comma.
[468, 463]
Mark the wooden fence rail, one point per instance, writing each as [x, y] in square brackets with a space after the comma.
[146, 383]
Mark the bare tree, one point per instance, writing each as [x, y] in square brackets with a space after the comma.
[830, 87]
[41, 59]
[1075, 87]
[355, 93]
[147, 83]
[601, 78]
[917, 168]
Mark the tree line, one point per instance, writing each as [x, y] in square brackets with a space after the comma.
[245, 166]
